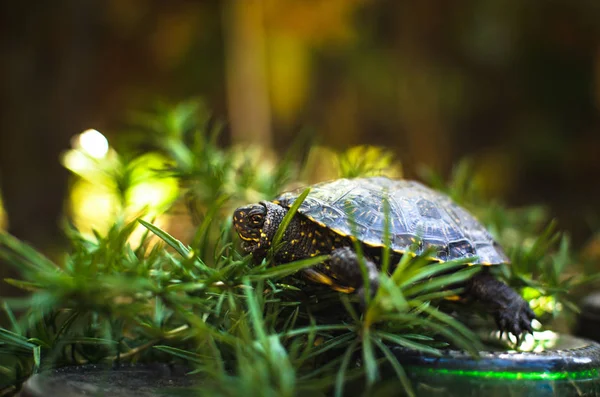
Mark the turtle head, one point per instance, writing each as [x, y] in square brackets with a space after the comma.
[256, 224]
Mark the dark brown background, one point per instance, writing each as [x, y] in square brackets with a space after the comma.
[512, 84]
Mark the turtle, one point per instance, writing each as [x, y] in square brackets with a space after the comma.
[336, 213]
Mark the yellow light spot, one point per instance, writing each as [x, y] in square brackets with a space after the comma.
[302, 234]
[314, 241]
[93, 143]
[310, 235]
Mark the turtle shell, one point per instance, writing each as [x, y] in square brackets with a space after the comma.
[420, 218]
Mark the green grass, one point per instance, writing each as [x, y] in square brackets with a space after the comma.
[243, 327]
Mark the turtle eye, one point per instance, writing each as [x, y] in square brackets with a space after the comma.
[256, 219]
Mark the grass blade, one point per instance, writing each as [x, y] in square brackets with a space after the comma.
[288, 218]
[255, 312]
[410, 344]
[340, 378]
[279, 271]
[400, 373]
[385, 256]
[370, 361]
[177, 245]
[431, 270]
[438, 283]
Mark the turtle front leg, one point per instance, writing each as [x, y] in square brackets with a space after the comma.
[345, 264]
[511, 312]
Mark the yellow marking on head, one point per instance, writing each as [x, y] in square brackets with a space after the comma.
[453, 298]
[249, 238]
[262, 234]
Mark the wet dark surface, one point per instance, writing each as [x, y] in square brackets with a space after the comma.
[588, 323]
[122, 381]
[569, 366]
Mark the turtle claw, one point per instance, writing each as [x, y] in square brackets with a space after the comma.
[515, 319]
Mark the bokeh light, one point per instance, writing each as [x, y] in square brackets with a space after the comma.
[93, 143]
[108, 187]
[150, 191]
[93, 206]
[3, 220]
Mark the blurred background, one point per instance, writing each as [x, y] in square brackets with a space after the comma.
[513, 86]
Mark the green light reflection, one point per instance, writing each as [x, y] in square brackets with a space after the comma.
[509, 375]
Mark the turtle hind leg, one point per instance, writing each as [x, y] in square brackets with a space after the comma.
[511, 312]
[345, 264]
